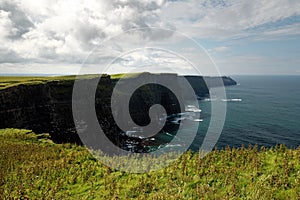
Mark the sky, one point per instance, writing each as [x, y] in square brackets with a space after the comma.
[115, 36]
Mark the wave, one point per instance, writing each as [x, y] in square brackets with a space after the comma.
[225, 100]
[192, 108]
[173, 145]
[208, 99]
[198, 120]
[169, 134]
[232, 100]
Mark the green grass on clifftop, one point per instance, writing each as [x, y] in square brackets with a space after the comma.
[32, 167]
[10, 81]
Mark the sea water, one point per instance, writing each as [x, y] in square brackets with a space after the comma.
[262, 110]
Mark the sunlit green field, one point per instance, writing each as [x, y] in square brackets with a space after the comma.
[10, 81]
[32, 167]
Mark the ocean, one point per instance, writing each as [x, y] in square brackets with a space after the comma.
[262, 110]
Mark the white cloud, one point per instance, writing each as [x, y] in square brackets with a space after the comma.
[5, 25]
[63, 32]
[219, 49]
[66, 30]
[286, 31]
[39, 68]
[225, 19]
[257, 64]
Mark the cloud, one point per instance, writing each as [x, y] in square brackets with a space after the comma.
[6, 25]
[219, 49]
[8, 56]
[20, 23]
[228, 19]
[254, 63]
[38, 68]
[67, 30]
[288, 30]
[63, 32]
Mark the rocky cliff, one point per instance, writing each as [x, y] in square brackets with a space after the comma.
[47, 107]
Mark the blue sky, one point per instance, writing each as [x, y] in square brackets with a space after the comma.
[250, 56]
[241, 37]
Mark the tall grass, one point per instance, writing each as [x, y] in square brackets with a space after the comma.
[32, 167]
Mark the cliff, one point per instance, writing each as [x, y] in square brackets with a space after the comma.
[46, 107]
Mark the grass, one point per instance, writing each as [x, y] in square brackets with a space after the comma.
[32, 167]
[127, 75]
[10, 81]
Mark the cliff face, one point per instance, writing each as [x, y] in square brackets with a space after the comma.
[47, 107]
[41, 107]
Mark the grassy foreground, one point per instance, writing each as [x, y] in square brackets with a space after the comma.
[32, 167]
